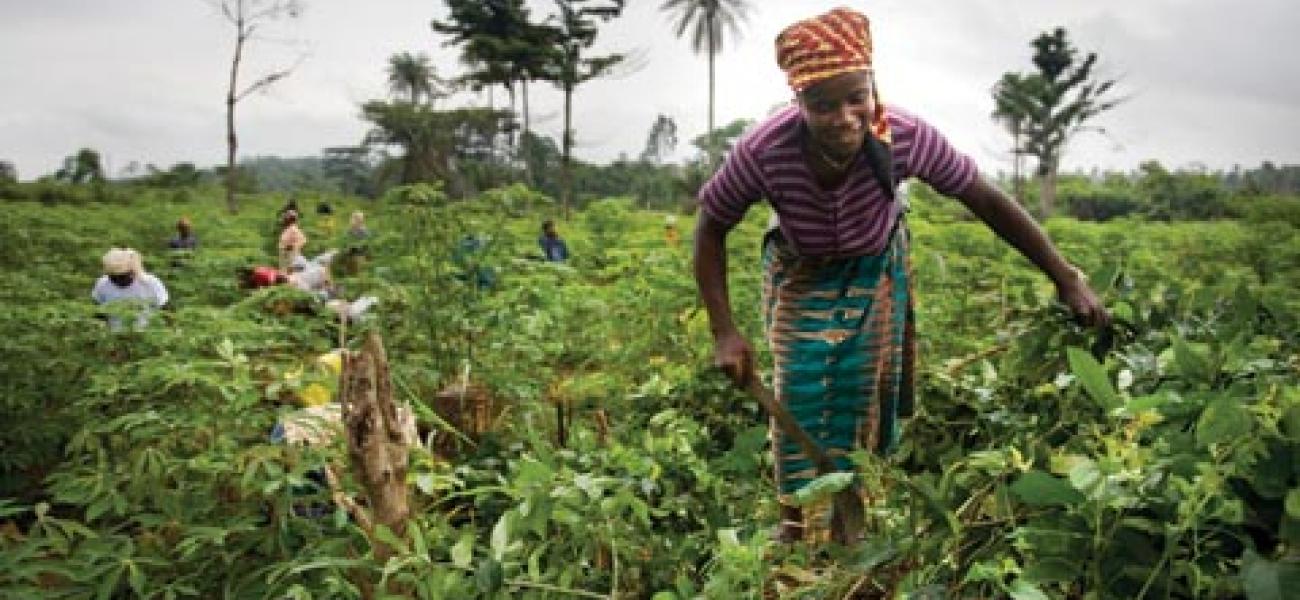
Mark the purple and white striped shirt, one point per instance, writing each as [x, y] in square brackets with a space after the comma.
[854, 219]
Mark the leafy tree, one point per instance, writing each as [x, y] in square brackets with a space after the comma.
[707, 19]
[413, 76]
[1270, 178]
[575, 34]
[722, 139]
[351, 168]
[1051, 105]
[541, 158]
[661, 141]
[1181, 195]
[1011, 109]
[182, 174]
[433, 141]
[8, 174]
[281, 174]
[83, 167]
[247, 17]
[696, 172]
[499, 43]
[502, 46]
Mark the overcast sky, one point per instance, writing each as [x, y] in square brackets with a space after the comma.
[1213, 82]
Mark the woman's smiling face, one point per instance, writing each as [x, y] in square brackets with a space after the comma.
[838, 111]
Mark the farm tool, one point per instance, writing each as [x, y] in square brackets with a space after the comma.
[848, 517]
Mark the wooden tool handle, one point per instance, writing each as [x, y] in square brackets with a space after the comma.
[791, 427]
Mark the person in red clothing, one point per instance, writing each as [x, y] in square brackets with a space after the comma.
[261, 276]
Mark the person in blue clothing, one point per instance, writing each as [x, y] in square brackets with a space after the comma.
[471, 256]
[185, 238]
[553, 246]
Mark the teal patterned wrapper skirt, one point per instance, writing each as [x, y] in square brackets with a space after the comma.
[843, 340]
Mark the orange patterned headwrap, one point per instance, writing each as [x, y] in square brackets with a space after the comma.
[830, 44]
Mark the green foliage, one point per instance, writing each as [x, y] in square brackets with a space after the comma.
[1159, 464]
[82, 167]
[284, 175]
[432, 139]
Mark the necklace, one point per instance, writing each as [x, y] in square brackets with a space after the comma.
[837, 165]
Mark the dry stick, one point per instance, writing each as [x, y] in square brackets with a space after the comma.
[342, 499]
[852, 593]
[966, 361]
[848, 517]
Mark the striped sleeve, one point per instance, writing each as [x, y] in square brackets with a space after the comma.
[734, 187]
[938, 163]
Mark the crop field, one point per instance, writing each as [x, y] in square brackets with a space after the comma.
[575, 440]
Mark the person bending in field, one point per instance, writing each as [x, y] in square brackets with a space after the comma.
[185, 238]
[311, 276]
[356, 250]
[261, 276]
[125, 282]
[837, 288]
[292, 240]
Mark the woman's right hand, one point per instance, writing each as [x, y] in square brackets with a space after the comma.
[733, 354]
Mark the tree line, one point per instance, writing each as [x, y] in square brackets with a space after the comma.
[415, 138]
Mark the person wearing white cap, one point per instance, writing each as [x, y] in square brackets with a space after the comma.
[125, 280]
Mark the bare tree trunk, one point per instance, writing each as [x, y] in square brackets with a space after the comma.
[1047, 191]
[713, 149]
[245, 24]
[1017, 167]
[523, 88]
[232, 143]
[377, 447]
[523, 136]
[512, 137]
[566, 166]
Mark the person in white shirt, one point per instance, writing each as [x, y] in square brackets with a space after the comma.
[125, 280]
[313, 276]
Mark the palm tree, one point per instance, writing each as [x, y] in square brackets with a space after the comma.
[571, 66]
[412, 75]
[1013, 104]
[1057, 102]
[707, 19]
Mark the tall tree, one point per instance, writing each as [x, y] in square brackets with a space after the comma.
[1058, 99]
[432, 141]
[1011, 108]
[247, 17]
[707, 20]
[574, 35]
[661, 141]
[413, 76]
[500, 45]
[483, 30]
[8, 173]
[83, 167]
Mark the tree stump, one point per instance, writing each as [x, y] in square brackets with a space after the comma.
[377, 447]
